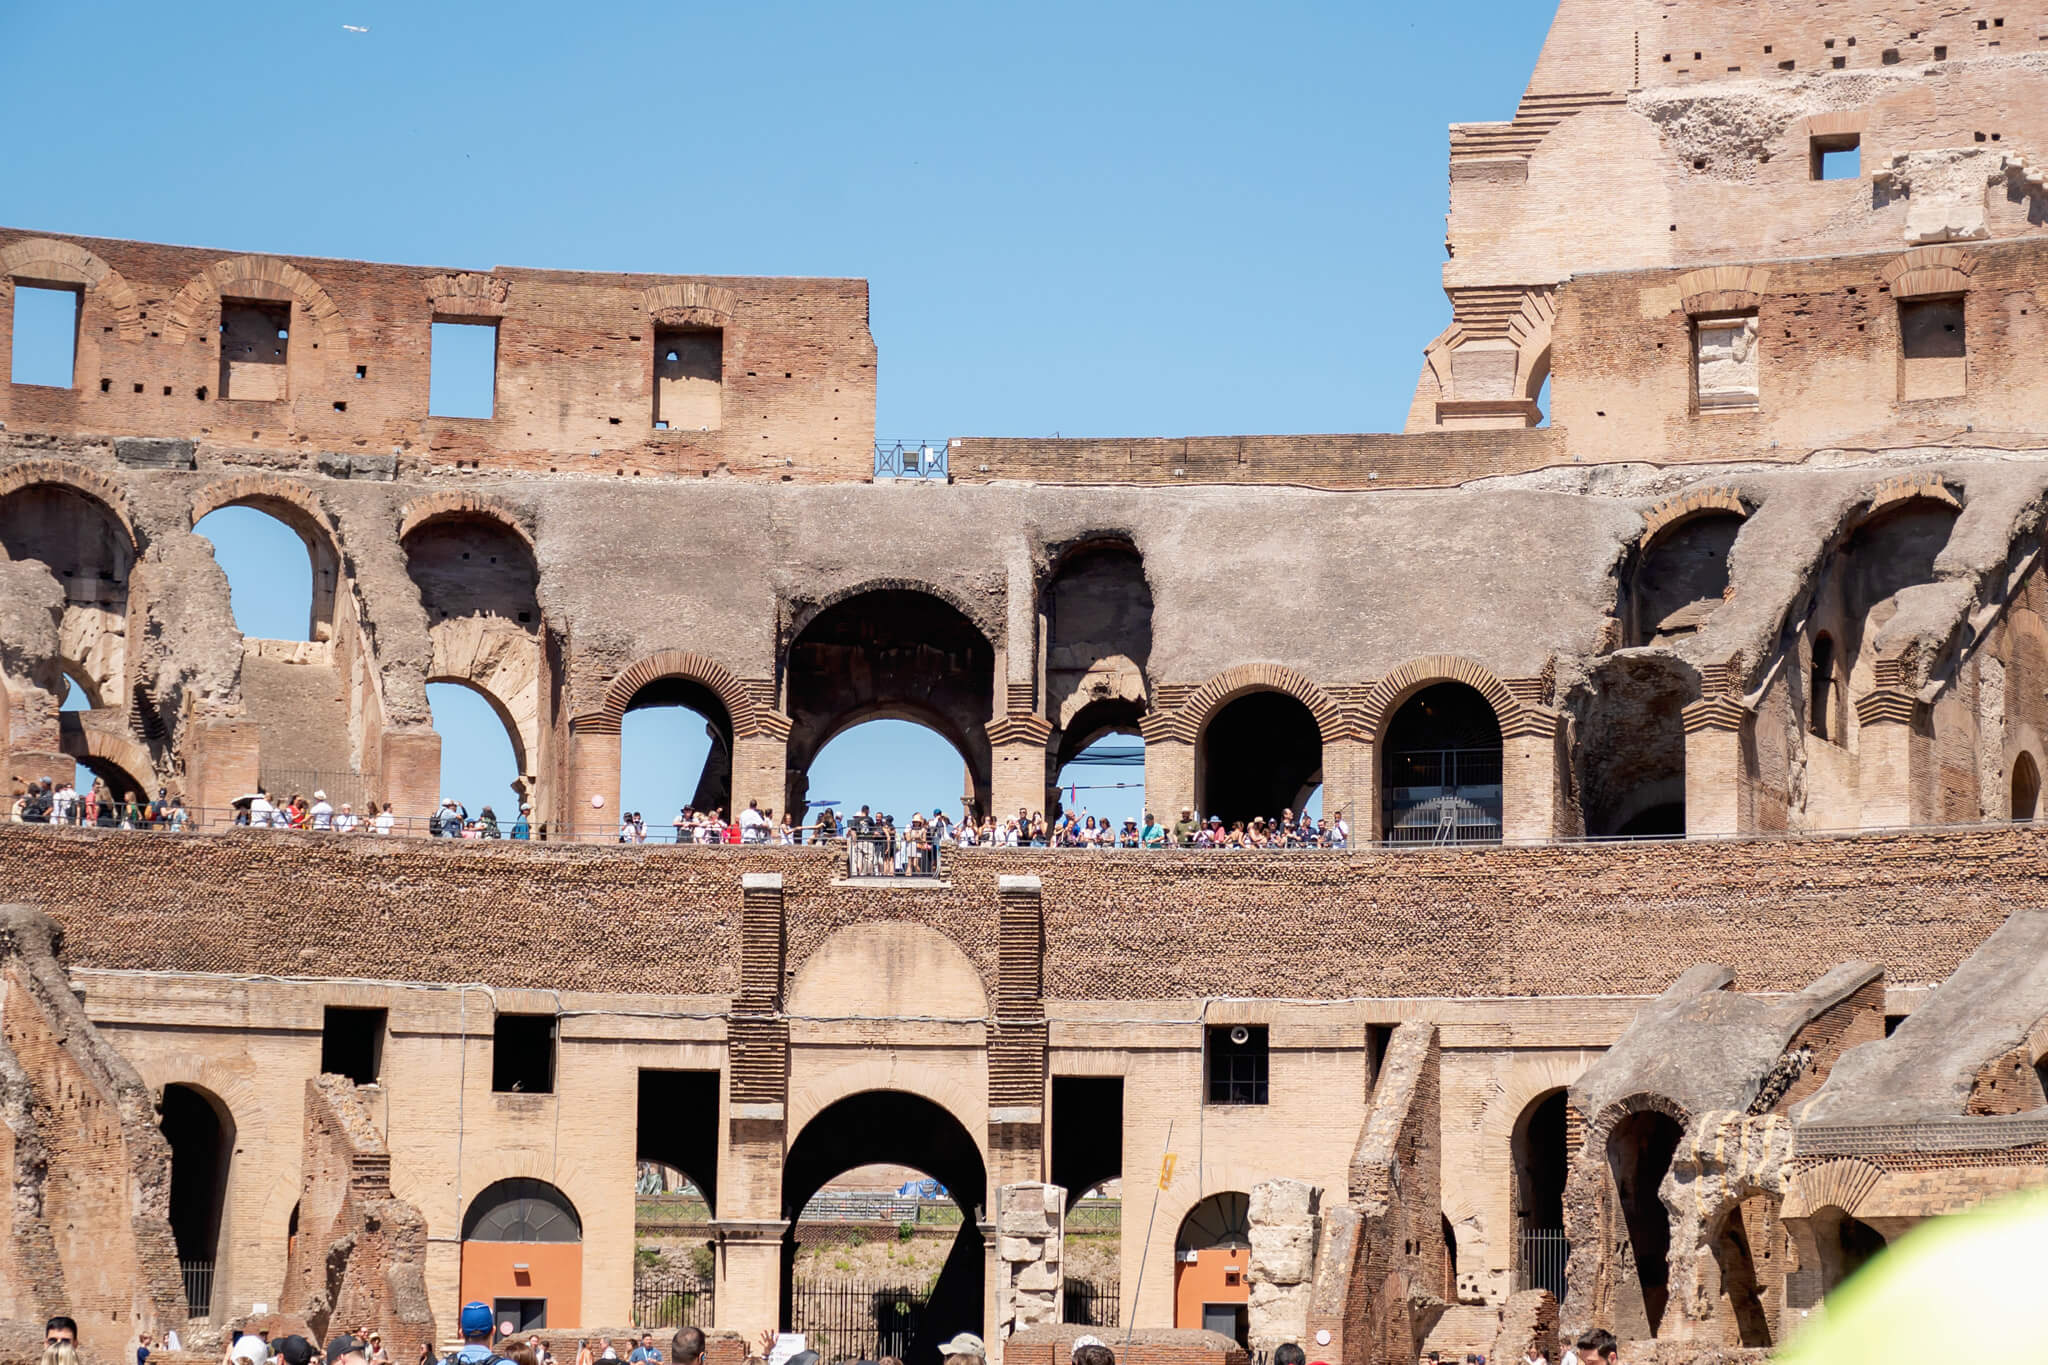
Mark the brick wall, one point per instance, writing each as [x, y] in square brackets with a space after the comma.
[1564, 920]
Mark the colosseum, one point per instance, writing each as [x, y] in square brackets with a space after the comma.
[1688, 949]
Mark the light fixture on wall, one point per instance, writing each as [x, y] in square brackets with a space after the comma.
[1240, 1035]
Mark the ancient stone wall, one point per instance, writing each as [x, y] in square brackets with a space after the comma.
[87, 1226]
[1441, 922]
[359, 1258]
[579, 357]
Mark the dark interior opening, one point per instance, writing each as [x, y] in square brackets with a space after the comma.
[677, 1125]
[1261, 754]
[1087, 1132]
[202, 1142]
[523, 1054]
[1639, 1152]
[352, 1043]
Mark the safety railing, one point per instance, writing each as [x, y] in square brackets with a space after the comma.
[1544, 1252]
[893, 855]
[671, 1299]
[912, 460]
[198, 1277]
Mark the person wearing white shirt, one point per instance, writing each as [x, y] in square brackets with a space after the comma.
[385, 821]
[260, 810]
[344, 819]
[323, 814]
[753, 824]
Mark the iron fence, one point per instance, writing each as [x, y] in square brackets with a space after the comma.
[198, 1276]
[671, 1300]
[884, 855]
[1444, 796]
[912, 460]
[1543, 1256]
[1092, 1303]
[858, 1319]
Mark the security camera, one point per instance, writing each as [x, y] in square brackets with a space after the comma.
[1240, 1035]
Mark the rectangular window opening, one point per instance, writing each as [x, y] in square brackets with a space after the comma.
[1725, 362]
[1933, 348]
[255, 350]
[689, 370]
[1838, 156]
[1237, 1064]
[45, 334]
[523, 1054]
[352, 1043]
[463, 368]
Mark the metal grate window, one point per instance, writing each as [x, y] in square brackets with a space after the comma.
[1237, 1064]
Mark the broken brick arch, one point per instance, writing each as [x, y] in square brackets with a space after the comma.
[122, 763]
[446, 506]
[77, 479]
[303, 514]
[256, 277]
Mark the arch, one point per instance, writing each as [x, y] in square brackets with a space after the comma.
[299, 509]
[79, 480]
[262, 277]
[521, 1209]
[109, 756]
[522, 1243]
[1680, 575]
[802, 614]
[741, 711]
[1095, 611]
[1675, 511]
[517, 727]
[1846, 1244]
[2026, 788]
[876, 1126]
[1929, 270]
[437, 506]
[691, 303]
[1226, 687]
[38, 259]
[1723, 289]
[1212, 1263]
[890, 652]
[200, 1132]
[83, 540]
[1440, 768]
[1387, 695]
[886, 970]
[1530, 330]
[1639, 1147]
[1258, 755]
[1539, 1160]
[1630, 747]
[959, 1089]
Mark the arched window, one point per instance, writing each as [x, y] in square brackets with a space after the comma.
[88, 552]
[1212, 1266]
[897, 768]
[2026, 788]
[1099, 762]
[480, 761]
[675, 751]
[1682, 577]
[1098, 642]
[1258, 756]
[1820, 694]
[521, 1210]
[1441, 769]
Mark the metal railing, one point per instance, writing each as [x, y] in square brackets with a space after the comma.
[1092, 1303]
[671, 1300]
[879, 855]
[912, 460]
[1544, 1251]
[857, 1319]
[198, 1277]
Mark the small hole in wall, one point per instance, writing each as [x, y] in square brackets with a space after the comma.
[1767, 49]
[1979, 136]
[1890, 57]
[341, 407]
[1852, 42]
[1852, 289]
[615, 421]
[1699, 163]
[167, 390]
[1859, 326]
[1828, 43]
[1841, 62]
[1667, 56]
[1599, 414]
[1786, 65]
[1696, 56]
[1674, 227]
[1940, 54]
[106, 386]
[200, 393]
[138, 388]
[362, 371]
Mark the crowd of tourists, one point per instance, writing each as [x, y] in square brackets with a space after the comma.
[46, 802]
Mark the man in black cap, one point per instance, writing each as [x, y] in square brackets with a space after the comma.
[347, 1350]
[293, 1350]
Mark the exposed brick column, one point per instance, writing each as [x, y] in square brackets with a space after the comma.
[412, 772]
[1016, 1037]
[1532, 796]
[221, 763]
[1894, 758]
[593, 771]
[1169, 764]
[760, 755]
[1018, 763]
[1718, 788]
[749, 1215]
[1347, 784]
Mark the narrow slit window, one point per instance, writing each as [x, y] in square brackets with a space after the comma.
[463, 378]
[45, 335]
[1820, 696]
[1838, 156]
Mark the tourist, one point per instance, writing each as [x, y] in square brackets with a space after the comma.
[134, 815]
[293, 1350]
[475, 1323]
[177, 819]
[1094, 1353]
[753, 824]
[385, 821]
[1153, 835]
[965, 1349]
[142, 1345]
[487, 824]
[321, 812]
[522, 827]
[1535, 1355]
[1598, 1347]
[345, 821]
[259, 810]
[1289, 1353]
[828, 825]
[520, 1353]
[347, 1350]
[540, 1350]
[375, 1340]
[64, 805]
[61, 1353]
[251, 1348]
[60, 1330]
[646, 1350]
[785, 832]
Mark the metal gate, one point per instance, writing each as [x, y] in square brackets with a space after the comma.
[671, 1300]
[858, 1319]
[1543, 1256]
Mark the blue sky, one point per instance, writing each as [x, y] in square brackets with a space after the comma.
[1090, 219]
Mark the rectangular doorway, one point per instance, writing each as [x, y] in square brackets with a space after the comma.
[525, 1315]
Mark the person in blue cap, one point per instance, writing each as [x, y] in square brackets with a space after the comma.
[478, 1323]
